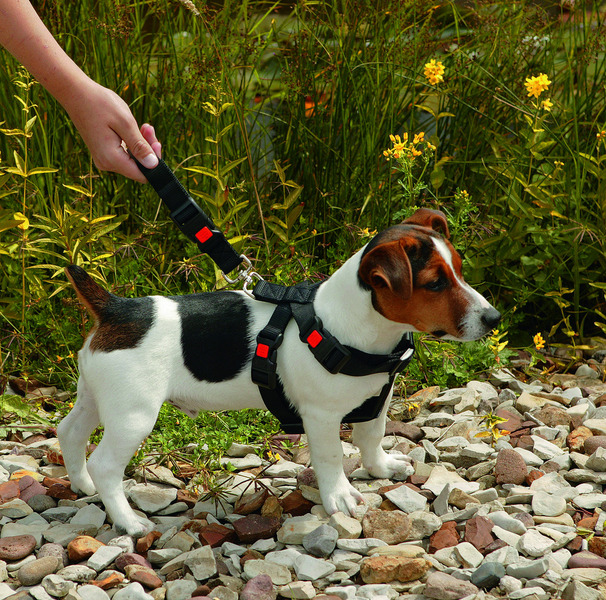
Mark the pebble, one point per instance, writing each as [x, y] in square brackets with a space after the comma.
[497, 521]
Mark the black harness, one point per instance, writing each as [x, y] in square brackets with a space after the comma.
[291, 302]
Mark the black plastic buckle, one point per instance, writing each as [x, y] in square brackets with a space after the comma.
[194, 223]
[325, 347]
[263, 368]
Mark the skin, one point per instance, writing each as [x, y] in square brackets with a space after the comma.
[102, 118]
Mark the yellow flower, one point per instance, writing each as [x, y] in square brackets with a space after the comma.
[537, 85]
[547, 104]
[539, 342]
[601, 135]
[23, 220]
[434, 72]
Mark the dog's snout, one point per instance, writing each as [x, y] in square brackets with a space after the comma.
[491, 317]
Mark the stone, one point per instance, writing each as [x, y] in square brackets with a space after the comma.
[34, 572]
[392, 527]
[251, 503]
[308, 568]
[576, 590]
[592, 443]
[297, 590]
[16, 547]
[423, 524]
[510, 467]
[526, 402]
[201, 563]
[251, 528]
[597, 460]
[77, 573]
[15, 509]
[151, 498]
[442, 586]
[82, 548]
[57, 586]
[386, 569]
[528, 569]
[488, 575]
[446, 537]
[461, 499]
[64, 533]
[321, 541]
[133, 591]
[129, 558]
[548, 505]
[597, 426]
[478, 532]
[295, 504]
[586, 559]
[294, 529]
[361, 546]
[215, 535]
[55, 550]
[278, 574]
[261, 587]
[406, 499]
[143, 575]
[90, 513]
[91, 592]
[440, 477]
[347, 527]
[508, 522]
[103, 557]
[180, 589]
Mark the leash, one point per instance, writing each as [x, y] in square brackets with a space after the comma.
[197, 225]
[291, 302]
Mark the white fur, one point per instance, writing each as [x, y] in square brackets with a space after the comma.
[124, 389]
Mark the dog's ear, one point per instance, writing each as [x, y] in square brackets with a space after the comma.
[386, 267]
[434, 219]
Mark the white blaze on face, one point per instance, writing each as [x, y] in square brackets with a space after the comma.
[471, 325]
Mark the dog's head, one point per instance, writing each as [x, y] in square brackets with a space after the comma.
[415, 277]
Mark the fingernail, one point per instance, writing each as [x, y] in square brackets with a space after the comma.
[150, 161]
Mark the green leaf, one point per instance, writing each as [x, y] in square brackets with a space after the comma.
[436, 178]
[79, 189]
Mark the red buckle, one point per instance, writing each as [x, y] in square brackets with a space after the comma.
[204, 235]
[262, 350]
[314, 338]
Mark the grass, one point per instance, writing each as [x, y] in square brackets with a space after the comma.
[276, 119]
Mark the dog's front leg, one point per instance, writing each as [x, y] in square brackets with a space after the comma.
[367, 437]
[327, 460]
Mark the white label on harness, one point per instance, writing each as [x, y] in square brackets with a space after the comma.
[409, 352]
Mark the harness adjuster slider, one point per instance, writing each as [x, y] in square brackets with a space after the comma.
[192, 221]
[263, 368]
[325, 347]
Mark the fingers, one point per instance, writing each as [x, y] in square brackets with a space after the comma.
[149, 133]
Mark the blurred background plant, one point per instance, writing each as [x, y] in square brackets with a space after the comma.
[277, 117]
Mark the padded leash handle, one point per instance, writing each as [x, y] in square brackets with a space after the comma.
[189, 217]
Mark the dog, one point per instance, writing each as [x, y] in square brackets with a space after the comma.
[194, 351]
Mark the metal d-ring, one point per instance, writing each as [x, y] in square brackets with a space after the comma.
[246, 274]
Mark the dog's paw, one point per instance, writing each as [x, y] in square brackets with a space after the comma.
[343, 497]
[84, 487]
[392, 466]
[136, 527]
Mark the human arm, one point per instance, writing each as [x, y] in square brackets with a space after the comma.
[102, 118]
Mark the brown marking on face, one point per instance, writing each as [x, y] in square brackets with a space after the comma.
[433, 219]
[412, 283]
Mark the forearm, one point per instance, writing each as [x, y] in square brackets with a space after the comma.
[24, 35]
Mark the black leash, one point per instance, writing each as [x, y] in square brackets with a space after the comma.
[291, 302]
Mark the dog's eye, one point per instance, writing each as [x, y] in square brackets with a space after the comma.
[437, 285]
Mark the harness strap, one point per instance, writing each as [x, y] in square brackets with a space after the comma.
[189, 217]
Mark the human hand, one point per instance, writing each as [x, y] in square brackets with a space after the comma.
[106, 125]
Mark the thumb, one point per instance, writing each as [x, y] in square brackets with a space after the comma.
[142, 151]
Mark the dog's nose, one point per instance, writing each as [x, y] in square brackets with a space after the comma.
[491, 317]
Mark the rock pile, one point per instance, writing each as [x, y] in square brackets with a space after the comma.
[522, 518]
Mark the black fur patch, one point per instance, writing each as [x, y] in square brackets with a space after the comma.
[214, 335]
[122, 323]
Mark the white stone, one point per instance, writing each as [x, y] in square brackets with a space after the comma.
[152, 497]
[57, 586]
[201, 562]
[376, 591]
[479, 451]
[468, 555]
[548, 505]
[597, 426]
[284, 468]
[278, 574]
[406, 499]
[15, 509]
[308, 568]
[544, 449]
[597, 461]
[506, 521]
[103, 557]
[250, 461]
[217, 509]
[133, 591]
[92, 592]
[348, 527]
[589, 501]
[298, 590]
[286, 557]
[77, 573]
[440, 477]
[507, 536]
[530, 458]
[534, 544]
[294, 529]
[361, 546]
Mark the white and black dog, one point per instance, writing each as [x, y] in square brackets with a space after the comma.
[195, 352]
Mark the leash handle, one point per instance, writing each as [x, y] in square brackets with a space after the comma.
[192, 220]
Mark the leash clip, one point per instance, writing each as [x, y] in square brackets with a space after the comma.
[246, 274]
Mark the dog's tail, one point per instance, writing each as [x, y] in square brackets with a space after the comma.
[90, 293]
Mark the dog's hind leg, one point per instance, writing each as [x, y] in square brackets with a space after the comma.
[128, 419]
[73, 433]
[367, 437]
